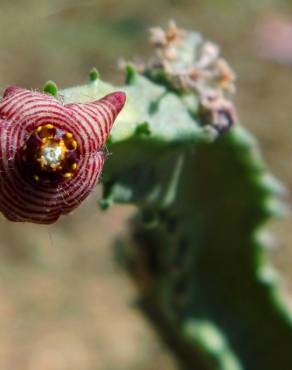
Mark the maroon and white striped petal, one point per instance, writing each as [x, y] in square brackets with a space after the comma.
[29, 196]
[97, 118]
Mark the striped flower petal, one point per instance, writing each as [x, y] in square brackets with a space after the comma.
[51, 153]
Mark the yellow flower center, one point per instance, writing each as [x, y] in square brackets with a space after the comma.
[50, 154]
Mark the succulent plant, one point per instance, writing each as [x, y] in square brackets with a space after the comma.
[197, 246]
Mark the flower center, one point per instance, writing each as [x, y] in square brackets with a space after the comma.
[50, 155]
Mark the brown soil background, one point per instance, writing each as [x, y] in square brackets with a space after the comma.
[64, 304]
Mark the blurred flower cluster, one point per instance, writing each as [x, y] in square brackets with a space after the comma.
[204, 73]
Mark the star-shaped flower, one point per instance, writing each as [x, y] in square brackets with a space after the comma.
[51, 154]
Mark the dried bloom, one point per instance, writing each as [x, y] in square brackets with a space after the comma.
[158, 37]
[209, 53]
[188, 64]
[199, 73]
[174, 33]
[217, 111]
[225, 76]
[163, 38]
[51, 153]
[203, 73]
[166, 41]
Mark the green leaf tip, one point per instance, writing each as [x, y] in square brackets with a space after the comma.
[94, 75]
[131, 74]
[143, 129]
[109, 140]
[107, 197]
[51, 87]
[104, 204]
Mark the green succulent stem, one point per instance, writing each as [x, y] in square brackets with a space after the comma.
[195, 249]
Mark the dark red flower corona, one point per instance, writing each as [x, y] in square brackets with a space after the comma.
[51, 154]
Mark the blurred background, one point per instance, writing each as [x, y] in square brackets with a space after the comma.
[64, 304]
